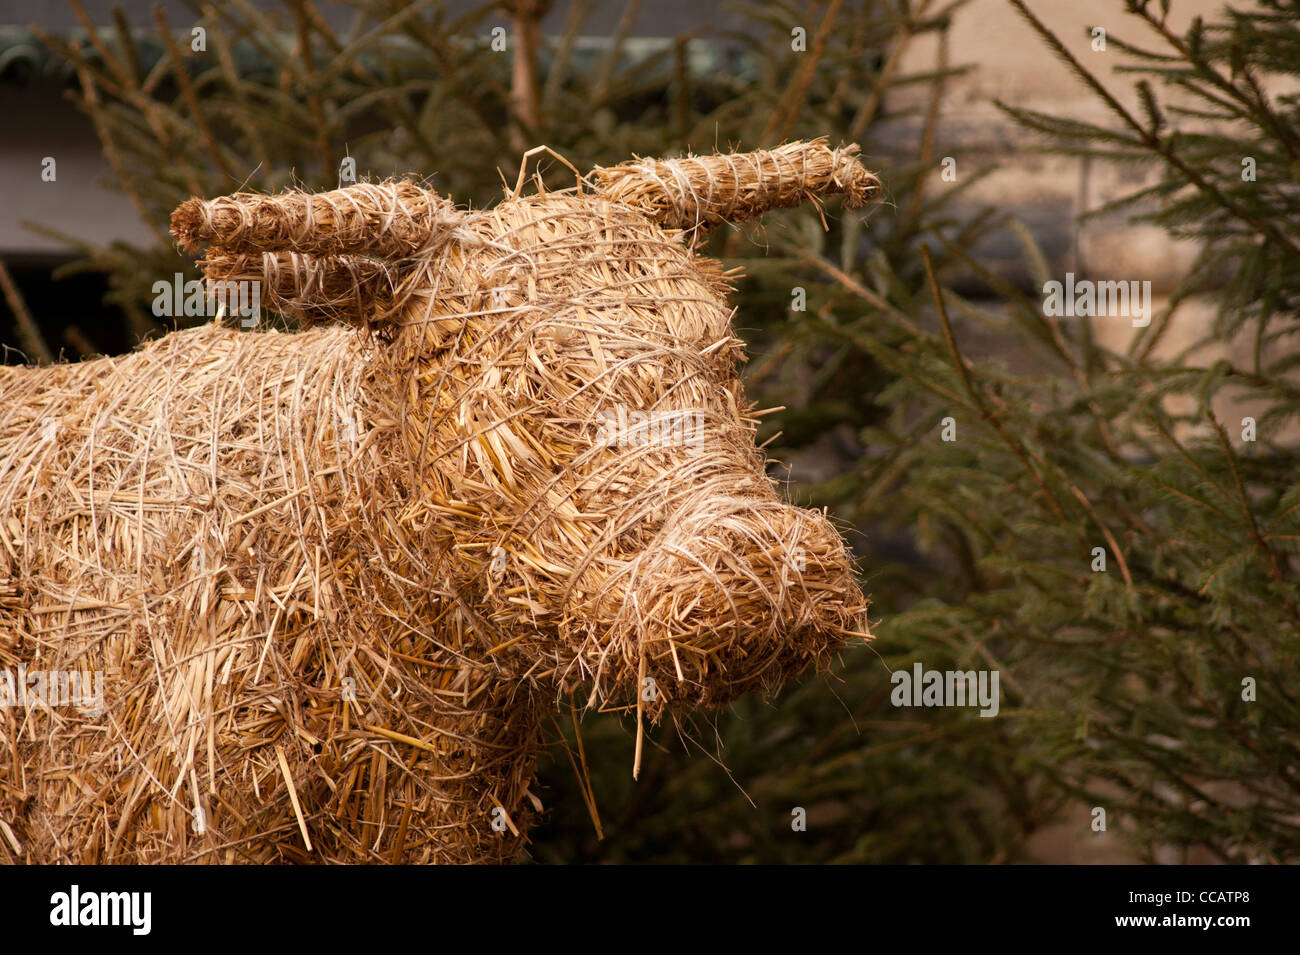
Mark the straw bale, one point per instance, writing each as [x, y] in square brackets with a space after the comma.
[335, 579]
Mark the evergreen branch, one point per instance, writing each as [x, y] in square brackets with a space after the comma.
[235, 83]
[858, 289]
[978, 402]
[29, 333]
[1222, 718]
[350, 54]
[1061, 127]
[1110, 538]
[91, 96]
[1164, 147]
[129, 52]
[311, 87]
[579, 10]
[867, 111]
[187, 90]
[92, 34]
[1206, 68]
[782, 118]
[1035, 320]
[1275, 570]
[931, 122]
[1077, 68]
[600, 90]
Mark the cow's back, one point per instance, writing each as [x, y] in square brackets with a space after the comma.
[163, 517]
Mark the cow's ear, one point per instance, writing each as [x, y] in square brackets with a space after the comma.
[355, 254]
[696, 193]
[325, 289]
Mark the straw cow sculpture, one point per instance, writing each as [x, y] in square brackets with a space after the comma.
[333, 581]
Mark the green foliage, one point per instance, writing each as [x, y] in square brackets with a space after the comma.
[1127, 685]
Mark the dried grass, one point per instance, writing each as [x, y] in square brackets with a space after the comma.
[386, 220]
[697, 193]
[233, 525]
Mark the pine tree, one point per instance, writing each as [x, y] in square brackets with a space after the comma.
[1129, 567]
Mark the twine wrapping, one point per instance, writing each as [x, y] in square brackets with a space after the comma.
[697, 193]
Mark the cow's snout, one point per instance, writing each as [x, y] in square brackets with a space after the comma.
[740, 594]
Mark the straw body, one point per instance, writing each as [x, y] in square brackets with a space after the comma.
[334, 580]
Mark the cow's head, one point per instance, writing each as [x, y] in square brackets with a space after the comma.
[576, 436]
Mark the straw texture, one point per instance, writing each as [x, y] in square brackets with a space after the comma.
[697, 193]
[320, 289]
[393, 218]
[335, 579]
